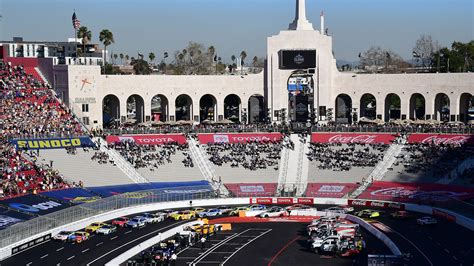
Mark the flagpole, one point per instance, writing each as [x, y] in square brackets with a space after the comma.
[75, 37]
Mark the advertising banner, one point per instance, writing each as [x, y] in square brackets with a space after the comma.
[53, 143]
[297, 59]
[438, 139]
[252, 189]
[308, 201]
[9, 217]
[149, 139]
[329, 190]
[34, 204]
[415, 192]
[376, 204]
[238, 138]
[346, 138]
[72, 195]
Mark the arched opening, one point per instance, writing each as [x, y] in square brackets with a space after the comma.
[232, 106]
[392, 107]
[135, 108]
[207, 108]
[256, 113]
[368, 106]
[344, 109]
[110, 111]
[417, 106]
[300, 86]
[159, 108]
[184, 107]
[441, 107]
[466, 108]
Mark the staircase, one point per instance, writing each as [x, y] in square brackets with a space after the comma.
[282, 173]
[382, 167]
[205, 166]
[293, 176]
[40, 75]
[303, 167]
[121, 163]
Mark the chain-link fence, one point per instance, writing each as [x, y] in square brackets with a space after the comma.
[44, 223]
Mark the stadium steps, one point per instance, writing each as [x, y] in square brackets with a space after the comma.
[40, 75]
[80, 167]
[282, 173]
[302, 183]
[296, 173]
[205, 166]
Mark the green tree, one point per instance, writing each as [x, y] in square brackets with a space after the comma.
[151, 56]
[141, 67]
[243, 55]
[460, 58]
[121, 58]
[86, 35]
[107, 38]
[115, 57]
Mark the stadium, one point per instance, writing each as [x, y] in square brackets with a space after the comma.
[297, 164]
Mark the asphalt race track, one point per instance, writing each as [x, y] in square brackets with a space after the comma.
[279, 243]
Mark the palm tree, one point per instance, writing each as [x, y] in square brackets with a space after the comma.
[86, 35]
[243, 55]
[107, 38]
[151, 56]
[255, 61]
[115, 58]
[121, 58]
[127, 57]
[212, 50]
[233, 58]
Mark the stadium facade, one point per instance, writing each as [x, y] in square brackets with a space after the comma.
[300, 82]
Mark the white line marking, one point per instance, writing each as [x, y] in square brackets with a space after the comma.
[417, 248]
[85, 250]
[446, 250]
[235, 252]
[138, 238]
[454, 257]
[60, 249]
[45, 256]
[128, 232]
[112, 238]
[29, 263]
[98, 244]
[70, 258]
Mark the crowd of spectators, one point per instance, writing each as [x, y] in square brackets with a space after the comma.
[147, 156]
[29, 109]
[252, 155]
[342, 157]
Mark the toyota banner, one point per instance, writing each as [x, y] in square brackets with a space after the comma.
[239, 138]
[149, 139]
[346, 138]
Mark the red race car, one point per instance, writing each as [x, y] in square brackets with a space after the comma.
[120, 221]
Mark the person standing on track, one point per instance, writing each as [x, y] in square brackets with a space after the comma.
[203, 242]
[173, 259]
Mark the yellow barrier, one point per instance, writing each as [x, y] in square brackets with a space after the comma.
[242, 213]
[226, 227]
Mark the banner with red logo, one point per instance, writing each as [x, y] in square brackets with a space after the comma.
[238, 138]
[346, 138]
[438, 139]
[307, 201]
[329, 190]
[287, 201]
[149, 139]
[376, 204]
[415, 192]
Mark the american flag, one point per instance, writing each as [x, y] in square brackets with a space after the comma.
[75, 22]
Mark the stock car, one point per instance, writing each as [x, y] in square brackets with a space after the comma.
[341, 210]
[183, 215]
[297, 207]
[427, 220]
[198, 209]
[274, 211]
[153, 218]
[257, 207]
[63, 235]
[225, 209]
[236, 210]
[400, 215]
[367, 213]
[106, 229]
[210, 213]
[94, 227]
[121, 221]
[135, 222]
[78, 236]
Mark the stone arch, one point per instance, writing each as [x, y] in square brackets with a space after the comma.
[368, 106]
[135, 108]
[232, 108]
[466, 103]
[392, 107]
[343, 109]
[207, 107]
[184, 107]
[110, 111]
[256, 109]
[441, 107]
[159, 108]
[417, 106]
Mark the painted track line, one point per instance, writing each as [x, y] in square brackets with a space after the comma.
[44, 256]
[235, 252]
[70, 258]
[59, 249]
[283, 249]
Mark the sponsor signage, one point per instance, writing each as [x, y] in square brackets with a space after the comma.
[346, 138]
[305, 201]
[34, 204]
[443, 214]
[441, 139]
[284, 201]
[329, 190]
[6, 221]
[297, 59]
[252, 189]
[149, 139]
[54, 143]
[264, 201]
[32, 243]
[238, 138]
[376, 204]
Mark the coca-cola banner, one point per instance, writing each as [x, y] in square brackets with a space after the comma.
[238, 138]
[345, 138]
[376, 204]
[438, 139]
[149, 139]
[415, 192]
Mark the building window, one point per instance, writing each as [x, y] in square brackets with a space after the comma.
[85, 120]
[85, 108]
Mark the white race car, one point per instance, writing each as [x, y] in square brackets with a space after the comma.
[340, 210]
[427, 220]
[274, 212]
[106, 229]
[63, 235]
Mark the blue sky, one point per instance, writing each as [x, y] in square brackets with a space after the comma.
[235, 25]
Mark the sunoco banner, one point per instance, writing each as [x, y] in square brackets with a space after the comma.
[53, 143]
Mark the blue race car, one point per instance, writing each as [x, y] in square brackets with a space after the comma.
[210, 213]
